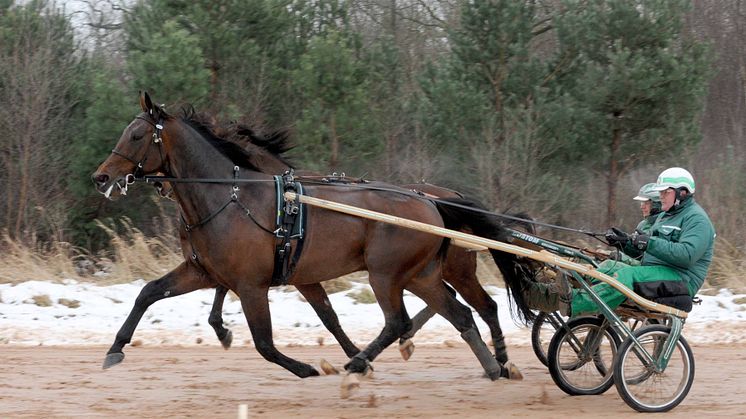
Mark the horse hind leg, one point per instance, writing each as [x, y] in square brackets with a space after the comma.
[390, 297]
[225, 336]
[184, 279]
[434, 293]
[467, 284]
[460, 270]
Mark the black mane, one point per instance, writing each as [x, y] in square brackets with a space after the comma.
[238, 142]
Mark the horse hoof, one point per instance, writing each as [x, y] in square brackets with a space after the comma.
[513, 372]
[227, 340]
[350, 383]
[406, 349]
[113, 359]
[359, 366]
[328, 368]
[368, 373]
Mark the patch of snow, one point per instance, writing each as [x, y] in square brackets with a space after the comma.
[182, 320]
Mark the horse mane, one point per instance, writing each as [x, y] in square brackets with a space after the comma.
[240, 143]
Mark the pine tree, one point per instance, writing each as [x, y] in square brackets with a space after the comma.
[634, 89]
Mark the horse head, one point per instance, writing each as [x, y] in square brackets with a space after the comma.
[138, 152]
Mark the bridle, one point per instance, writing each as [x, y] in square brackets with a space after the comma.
[139, 172]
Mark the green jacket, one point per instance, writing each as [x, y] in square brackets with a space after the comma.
[647, 223]
[683, 239]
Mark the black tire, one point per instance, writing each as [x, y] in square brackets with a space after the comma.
[544, 327]
[578, 370]
[536, 338]
[642, 388]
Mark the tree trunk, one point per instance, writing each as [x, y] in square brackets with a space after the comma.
[214, 72]
[334, 157]
[613, 176]
[392, 133]
[23, 192]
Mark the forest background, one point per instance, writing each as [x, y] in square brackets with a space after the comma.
[559, 108]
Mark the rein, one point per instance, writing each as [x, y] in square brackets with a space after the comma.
[316, 180]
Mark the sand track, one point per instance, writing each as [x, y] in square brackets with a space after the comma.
[206, 382]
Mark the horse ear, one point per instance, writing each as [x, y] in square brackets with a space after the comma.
[145, 103]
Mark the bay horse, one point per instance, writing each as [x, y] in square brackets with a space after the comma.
[226, 227]
[459, 266]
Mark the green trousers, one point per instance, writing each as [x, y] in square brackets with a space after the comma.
[628, 275]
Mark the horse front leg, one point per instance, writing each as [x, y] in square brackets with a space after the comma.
[255, 304]
[317, 297]
[225, 336]
[184, 279]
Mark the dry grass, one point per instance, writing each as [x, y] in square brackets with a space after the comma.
[19, 262]
[728, 269]
[68, 303]
[138, 256]
[487, 272]
[363, 296]
[42, 300]
[132, 255]
[337, 285]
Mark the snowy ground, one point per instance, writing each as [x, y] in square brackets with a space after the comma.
[182, 320]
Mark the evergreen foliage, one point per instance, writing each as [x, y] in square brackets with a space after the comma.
[517, 102]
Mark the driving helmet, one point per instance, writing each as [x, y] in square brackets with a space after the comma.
[648, 193]
[675, 177]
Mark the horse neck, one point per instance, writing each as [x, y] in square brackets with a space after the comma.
[190, 156]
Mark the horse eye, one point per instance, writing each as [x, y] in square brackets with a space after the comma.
[136, 137]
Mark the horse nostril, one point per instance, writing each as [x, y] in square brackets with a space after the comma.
[100, 179]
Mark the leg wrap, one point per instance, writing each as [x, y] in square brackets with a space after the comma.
[489, 363]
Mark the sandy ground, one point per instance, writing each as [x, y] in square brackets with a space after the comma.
[207, 382]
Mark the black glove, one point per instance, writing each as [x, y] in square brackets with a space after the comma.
[616, 237]
[640, 240]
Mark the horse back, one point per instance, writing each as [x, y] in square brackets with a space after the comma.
[337, 244]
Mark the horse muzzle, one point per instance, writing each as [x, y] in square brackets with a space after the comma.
[111, 188]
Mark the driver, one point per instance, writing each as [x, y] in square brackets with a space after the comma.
[676, 254]
[650, 206]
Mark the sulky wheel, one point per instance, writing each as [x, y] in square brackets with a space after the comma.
[641, 387]
[581, 356]
[544, 327]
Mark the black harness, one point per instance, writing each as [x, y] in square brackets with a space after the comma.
[291, 225]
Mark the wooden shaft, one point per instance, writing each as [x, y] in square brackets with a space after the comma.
[477, 242]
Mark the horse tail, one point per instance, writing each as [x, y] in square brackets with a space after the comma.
[516, 272]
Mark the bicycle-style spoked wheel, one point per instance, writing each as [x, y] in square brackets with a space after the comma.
[544, 327]
[581, 356]
[641, 387]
